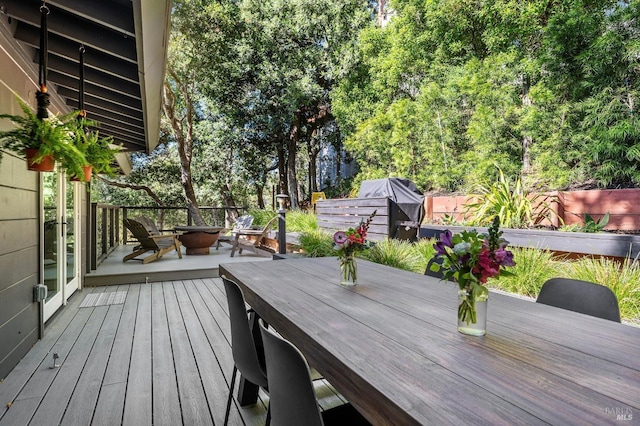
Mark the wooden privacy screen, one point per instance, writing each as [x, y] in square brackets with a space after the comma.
[344, 213]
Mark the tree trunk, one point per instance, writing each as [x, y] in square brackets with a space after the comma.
[292, 148]
[260, 194]
[282, 170]
[231, 213]
[182, 129]
[527, 140]
[313, 151]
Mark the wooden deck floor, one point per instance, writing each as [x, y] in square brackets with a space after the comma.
[162, 357]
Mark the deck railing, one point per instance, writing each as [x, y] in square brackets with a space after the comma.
[105, 231]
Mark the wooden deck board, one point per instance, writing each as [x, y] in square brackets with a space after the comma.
[166, 405]
[138, 403]
[162, 357]
[22, 373]
[52, 407]
[87, 390]
[193, 402]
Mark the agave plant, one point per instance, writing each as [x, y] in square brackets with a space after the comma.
[516, 207]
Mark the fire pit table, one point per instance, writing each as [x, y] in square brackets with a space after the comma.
[198, 239]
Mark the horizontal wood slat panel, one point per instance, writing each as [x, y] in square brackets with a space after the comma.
[344, 213]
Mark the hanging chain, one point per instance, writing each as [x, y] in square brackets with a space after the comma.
[42, 96]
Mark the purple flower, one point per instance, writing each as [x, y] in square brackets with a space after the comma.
[446, 237]
[504, 257]
[340, 237]
[440, 248]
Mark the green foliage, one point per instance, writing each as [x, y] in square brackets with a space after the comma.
[516, 207]
[301, 221]
[394, 253]
[50, 136]
[591, 225]
[533, 267]
[448, 90]
[317, 243]
[261, 217]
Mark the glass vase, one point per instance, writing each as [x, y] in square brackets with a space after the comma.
[348, 271]
[472, 313]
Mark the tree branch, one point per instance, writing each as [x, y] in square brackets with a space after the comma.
[135, 188]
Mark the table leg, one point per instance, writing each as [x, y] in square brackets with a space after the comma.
[247, 391]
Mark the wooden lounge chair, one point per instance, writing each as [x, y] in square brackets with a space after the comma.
[253, 240]
[242, 222]
[151, 226]
[159, 244]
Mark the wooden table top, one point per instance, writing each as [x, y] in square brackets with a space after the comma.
[390, 345]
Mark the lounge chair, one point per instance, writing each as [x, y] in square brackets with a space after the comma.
[159, 244]
[253, 240]
[242, 223]
[151, 226]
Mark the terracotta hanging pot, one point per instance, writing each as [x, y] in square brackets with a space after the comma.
[46, 164]
[87, 175]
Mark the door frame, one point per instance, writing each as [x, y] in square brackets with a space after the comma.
[66, 289]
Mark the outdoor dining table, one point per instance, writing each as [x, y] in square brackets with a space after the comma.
[390, 345]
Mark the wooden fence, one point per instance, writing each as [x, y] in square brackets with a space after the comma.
[345, 213]
[569, 207]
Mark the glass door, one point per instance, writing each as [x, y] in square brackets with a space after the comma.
[61, 213]
[72, 241]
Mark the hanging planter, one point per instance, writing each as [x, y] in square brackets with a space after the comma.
[38, 163]
[37, 135]
[39, 140]
[86, 177]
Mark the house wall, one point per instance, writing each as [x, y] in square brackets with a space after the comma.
[20, 238]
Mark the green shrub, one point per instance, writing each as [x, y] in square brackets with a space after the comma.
[395, 253]
[423, 249]
[261, 217]
[317, 243]
[301, 221]
[533, 268]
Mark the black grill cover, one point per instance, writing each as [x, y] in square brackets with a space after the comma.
[407, 204]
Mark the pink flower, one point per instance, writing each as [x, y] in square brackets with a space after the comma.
[340, 237]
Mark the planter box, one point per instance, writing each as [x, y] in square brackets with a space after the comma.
[602, 244]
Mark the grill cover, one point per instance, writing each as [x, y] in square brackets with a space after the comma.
[407, 204]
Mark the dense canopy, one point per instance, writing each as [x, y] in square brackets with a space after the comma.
[263, 94]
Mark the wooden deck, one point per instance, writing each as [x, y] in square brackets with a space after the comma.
[170, 267]
[162, 357]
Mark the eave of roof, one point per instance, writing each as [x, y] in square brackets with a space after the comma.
[125, 45]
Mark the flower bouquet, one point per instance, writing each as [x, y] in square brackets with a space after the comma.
[470, 258]
[347, 243]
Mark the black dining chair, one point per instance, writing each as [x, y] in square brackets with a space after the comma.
[292, 398]
[248, 358]
[580, 296]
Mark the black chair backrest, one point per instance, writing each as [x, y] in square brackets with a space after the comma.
[580, 296]
[428, 271]
[292, 399]
[245, 353]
